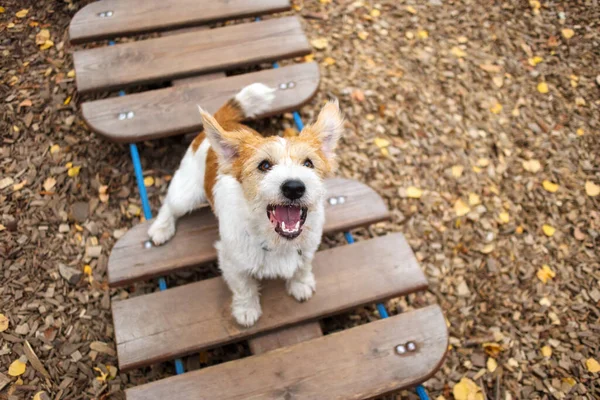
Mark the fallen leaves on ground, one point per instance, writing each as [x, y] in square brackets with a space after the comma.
[548, 230]
[542, 87]
[73, 171]
[16, 368]
[550, 186]
[414, 192]
[592, 365]
[466, 389]
[460, 208]
[591, 189]
[22, 13]
[567, 33]
[547, 351]
[491, 364]
[3, 323]
[532, 165]
[319, 43]
[545, 273]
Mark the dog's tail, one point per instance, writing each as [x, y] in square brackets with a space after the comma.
[249, 102]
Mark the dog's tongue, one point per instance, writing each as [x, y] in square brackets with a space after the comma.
[289, 215]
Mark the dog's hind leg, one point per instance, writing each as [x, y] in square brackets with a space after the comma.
[186, 193]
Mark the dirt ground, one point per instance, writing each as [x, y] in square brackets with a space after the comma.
[478, 121]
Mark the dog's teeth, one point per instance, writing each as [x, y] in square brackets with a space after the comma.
[283, 225]
[297, 225]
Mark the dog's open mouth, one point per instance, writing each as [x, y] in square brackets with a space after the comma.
[287, 219]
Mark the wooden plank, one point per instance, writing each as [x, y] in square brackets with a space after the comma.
[183, 320]
[188, 54]
[357, 363]
[192, 245]
[285, 337]
[139, 16]
[172, 111]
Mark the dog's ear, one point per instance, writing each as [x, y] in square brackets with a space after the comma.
[328, 128]
[224, 143]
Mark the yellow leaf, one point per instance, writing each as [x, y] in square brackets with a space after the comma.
[324, 1]
[49, 184]
[496, 108]
[148, 181]
[414, 192]
[533, 61]
[385, 151]
[574, 81]
[2, 10]
[492, 349]
[474, 199]
[87, 270]
[491, 364]
[67, 101]
[504, 217]
[466, 389]
[591, 189]
[568, 33]
[580, 101]
[73, 171]
[548, 230]
[461, 208]
[580, 132]
[532, 165]
[545, 274]
[592, 365]
[483, 162]
[411, 9]
[10, 25]
[458, 52]
[47, 45]
[375, 13]
[68, 165]
[535, 4]
[457, 171]
[19, 186]
[542, 87]
[22, 14]
[547, 351]
[363, 35]
[423, 34]
[38, 396]
[71, 73]
[42, 36]
[54, 148]
[488, 248]
[328, 61]
[3, 323]
[498, 81]
[550, 186]
[519, 230]
[16, 368]
[570, 381]
[319, 43]
[297, 7]
[103, 375]
[380, 142]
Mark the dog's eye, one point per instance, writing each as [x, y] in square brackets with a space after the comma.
[308, 163]
[265, 165]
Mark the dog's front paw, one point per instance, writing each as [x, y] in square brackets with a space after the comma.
[247, 314]
[161, 231]
[301, 290]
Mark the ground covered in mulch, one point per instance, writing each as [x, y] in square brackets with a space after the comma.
[476, 120]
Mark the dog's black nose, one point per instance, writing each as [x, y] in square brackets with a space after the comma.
[293, 189]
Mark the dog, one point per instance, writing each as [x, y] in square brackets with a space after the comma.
[268, 194]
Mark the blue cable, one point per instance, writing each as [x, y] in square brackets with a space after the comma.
[139, 177]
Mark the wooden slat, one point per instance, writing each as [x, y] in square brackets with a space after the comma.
[187, 54]
[357, 363]
[192, 245]
[285, 337]
[139, 16]
[173, 110]
[164, 325]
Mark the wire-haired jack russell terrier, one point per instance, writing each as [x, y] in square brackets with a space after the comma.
[267, 192]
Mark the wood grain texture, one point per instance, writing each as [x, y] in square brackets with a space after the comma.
[358, 363]
[192, 245]
[186, 54]
[140, 16]
[183, 320]
[285, 337]
[173, 110]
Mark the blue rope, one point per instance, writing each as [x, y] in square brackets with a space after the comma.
[139, 177]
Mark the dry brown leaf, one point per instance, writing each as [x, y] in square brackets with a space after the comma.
[49, 183]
